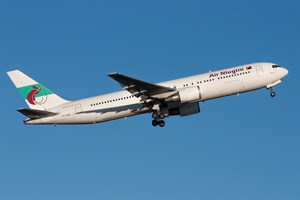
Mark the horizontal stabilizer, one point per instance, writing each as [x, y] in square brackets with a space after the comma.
[36, 114]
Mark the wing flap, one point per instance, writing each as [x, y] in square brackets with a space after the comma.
[36, 114]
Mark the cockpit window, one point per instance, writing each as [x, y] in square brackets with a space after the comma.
[275, 66]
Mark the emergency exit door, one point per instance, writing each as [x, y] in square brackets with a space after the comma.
[259, 70]
[78, 108]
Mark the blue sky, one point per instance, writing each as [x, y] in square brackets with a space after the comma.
[241, 147]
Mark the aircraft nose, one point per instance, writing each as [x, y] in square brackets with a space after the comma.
[285, 71]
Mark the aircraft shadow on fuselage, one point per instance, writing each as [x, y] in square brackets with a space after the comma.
[132, 107]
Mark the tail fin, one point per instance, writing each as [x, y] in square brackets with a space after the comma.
[36, 95]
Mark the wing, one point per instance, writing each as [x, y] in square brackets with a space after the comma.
[141, 88]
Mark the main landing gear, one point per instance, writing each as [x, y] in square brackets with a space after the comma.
[157, 119]
[161, 123]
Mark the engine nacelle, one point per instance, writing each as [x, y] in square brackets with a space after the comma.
[186, 95]
[184, 110]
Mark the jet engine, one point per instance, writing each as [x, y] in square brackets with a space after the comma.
[186, 95]
[186, 109]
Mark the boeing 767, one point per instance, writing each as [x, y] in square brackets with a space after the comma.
[176, 97]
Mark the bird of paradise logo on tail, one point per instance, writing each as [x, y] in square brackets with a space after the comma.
[31, 96]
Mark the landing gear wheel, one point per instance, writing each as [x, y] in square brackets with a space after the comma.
[154, 123]
[272, 94]
[154, 115]
[161, 116]
[161, 123]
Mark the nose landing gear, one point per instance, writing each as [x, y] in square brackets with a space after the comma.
[272, 94]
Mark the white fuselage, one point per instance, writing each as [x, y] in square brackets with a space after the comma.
[123, 104]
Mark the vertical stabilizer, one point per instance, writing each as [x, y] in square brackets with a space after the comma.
[36, 95]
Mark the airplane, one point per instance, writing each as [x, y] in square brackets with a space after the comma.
[180, 97]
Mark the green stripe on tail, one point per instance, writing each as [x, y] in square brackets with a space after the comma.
[25, 90]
